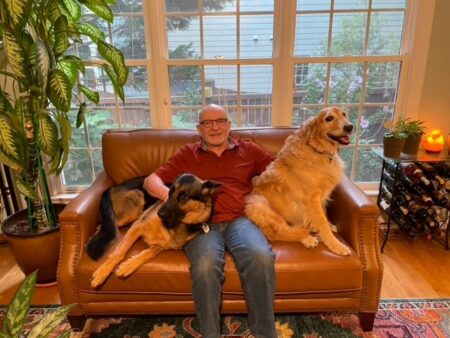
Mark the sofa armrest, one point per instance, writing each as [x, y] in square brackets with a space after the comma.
[78, 221]
[355, 216]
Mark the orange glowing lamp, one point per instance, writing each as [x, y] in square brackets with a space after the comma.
[434, 141]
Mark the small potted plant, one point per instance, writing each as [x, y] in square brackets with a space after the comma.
[414, 130]
[393, 140]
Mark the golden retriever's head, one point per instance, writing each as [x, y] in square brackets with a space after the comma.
[330, 125]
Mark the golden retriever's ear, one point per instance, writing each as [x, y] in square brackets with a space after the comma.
[309, 128]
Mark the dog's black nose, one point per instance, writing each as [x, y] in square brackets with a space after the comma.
[348, 128]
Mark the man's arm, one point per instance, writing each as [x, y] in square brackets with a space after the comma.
[156, 187]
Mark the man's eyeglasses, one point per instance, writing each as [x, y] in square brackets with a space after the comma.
[209, 123]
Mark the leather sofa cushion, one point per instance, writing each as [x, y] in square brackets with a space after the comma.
[299, 270]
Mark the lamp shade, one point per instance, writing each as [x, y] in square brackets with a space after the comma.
[434, 141]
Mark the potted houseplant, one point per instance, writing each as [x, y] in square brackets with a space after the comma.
[16, 314]
[393, 141]
[40, 82]
[413, 129]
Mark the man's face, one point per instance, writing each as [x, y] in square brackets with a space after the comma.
[214, 127]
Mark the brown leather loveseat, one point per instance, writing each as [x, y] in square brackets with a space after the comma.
[306, 280]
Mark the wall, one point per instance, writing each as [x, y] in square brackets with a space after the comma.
[434, 106]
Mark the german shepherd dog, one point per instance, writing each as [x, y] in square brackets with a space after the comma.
[288, 199]
[163, 226]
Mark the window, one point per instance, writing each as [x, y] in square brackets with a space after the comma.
[268, 62]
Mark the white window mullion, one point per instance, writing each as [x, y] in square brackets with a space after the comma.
[283, 67]
[157, 56]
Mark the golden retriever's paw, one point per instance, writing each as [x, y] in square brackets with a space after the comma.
[126, 268]
[339, 248]
[310, 242]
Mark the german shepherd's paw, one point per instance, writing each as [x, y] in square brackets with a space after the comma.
[310, 242]
[127, 268]
[339, 248]
[99, 275]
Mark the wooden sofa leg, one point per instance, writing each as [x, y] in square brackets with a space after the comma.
[77, 322]
[366, 320]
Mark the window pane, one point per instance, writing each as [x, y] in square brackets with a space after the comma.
[221, 85]
[98, 121]
[182, 5]
[135, 117]
[349, 31]
[350, 4]
[368, 166]
[345, 82]
[128, 36]
[385, 33]
[127, 6]
[253, 117]
[372, 124]
[346, 154]
[256, 5]
[382, 82]
[388, 3]
[256, 33]
[219, 42]
[96, 78]
[310, 83]
[185, 85]
[183, 34]
[311, 37]
[98, 161]
[301, 114]
[185, 118]
[256, 85]
[78, 168]
[313, 5]
[219, 6]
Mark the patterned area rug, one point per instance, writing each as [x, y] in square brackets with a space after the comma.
[427, 318]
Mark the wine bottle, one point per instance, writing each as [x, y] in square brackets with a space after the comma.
[385, 205]
[442, 168]
[431, 172]
[386, 192]
[401, 204]
[440, 198]
[388, 180]
[421, 192]
[415, 174]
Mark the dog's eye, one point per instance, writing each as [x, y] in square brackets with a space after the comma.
[183, 196]
[329, 118]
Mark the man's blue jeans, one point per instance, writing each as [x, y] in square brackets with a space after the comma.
[254, 260]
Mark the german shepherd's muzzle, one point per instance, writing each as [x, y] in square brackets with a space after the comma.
[163, 226]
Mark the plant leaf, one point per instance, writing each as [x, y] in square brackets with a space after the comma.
[49, 322]
[80, 115]
[115, 57]
[92, 31]
[26, 189]
[10, 162]
[16, 55]
[5, 105]
[42, 62]
[101, 8]
[18, 10]
[74, 60]
[66, 134]
[92, 95]
[118, 89]
[59, 90]
[70, 69]
[17, 312]
[61, 35]
[47, 134]
[8, 138]
[73, 8]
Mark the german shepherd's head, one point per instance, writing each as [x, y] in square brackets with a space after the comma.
[190, 201]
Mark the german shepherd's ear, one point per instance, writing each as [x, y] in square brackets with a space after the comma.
[210, 187]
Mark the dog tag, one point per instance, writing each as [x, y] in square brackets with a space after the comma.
[205, 228]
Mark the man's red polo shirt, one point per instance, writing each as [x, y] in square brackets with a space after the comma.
[234, 169]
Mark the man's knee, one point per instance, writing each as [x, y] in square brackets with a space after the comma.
[262, 258]
[206, 266]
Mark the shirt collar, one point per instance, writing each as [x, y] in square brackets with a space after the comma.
[231, 144]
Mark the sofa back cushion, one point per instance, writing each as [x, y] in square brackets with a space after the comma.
[132, 153]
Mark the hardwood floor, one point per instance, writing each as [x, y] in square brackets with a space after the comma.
[412, 269]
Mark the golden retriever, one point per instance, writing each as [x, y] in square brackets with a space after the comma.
[288, 199]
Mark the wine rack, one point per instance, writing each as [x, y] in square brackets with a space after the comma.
[414, 193]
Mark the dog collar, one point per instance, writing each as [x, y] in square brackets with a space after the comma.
[330, 155]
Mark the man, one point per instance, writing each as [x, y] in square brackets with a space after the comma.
[232, 163]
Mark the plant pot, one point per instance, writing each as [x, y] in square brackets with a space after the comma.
[412, 144]
[392, 146]
[36, 251]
